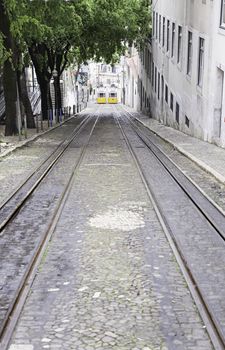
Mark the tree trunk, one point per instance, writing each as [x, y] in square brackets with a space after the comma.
[25, 99]
[9, 76]
[58, 93]
[37, 52]
[10, 93]
[46, 102]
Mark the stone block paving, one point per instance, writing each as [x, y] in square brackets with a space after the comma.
[207, 155]
[18, 165]
[20, 239]
[109, 279]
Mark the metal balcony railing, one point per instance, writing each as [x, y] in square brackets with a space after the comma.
[35, 98]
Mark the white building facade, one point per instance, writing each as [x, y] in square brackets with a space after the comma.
[106, 77]
[181, 71]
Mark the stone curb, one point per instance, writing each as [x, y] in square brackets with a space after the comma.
[200, 163]
[32, 138]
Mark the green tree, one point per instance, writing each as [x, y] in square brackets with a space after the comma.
[59, 32]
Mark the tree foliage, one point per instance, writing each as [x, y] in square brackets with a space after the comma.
[56, 33]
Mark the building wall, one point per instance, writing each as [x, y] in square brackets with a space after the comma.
[194, 106]
[105, 77]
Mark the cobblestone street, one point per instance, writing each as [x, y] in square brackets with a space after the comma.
[112, 175]
[109, 279]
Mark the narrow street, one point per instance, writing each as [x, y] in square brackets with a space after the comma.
[112, 175]
[107, 277]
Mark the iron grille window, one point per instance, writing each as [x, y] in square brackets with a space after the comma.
[201, 61]
[179, 44]
[189, 54]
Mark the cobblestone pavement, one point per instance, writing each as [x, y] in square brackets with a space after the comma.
[109, 279]
[17, 166]
[20, 239]
[206, 156]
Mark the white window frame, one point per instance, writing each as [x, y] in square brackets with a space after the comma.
[179, 43]
[201, 54]
[189, 52]
[163, 31]
[168, 35]
[222, 14]
[173, 40]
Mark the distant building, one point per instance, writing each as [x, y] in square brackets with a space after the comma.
[180, 74]
[105, 76]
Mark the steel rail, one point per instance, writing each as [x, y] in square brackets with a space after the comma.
[210, 210]
[211, 326]
[44, 168]
[9, 324]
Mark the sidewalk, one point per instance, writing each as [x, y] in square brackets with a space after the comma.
[208, 156]
[9, 143]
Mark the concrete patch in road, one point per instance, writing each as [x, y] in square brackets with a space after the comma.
[117, 219]
[21, 347]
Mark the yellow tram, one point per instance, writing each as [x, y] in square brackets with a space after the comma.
[101, 97]
[107, 95]
[112, 99]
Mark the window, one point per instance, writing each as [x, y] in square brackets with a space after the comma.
[155, 79]
[143, 62]
[160, 20]
[153, 24]
[153, 73]
[113, 94]
[201, 60]
[168, 36]
[189, 55]
[163, 32]
[171, 101]
[187, 121]
[150, 65]
[177, 113]
[222, 18]
[156, 26]
[145, 58]
[158, 86]
[166, 93]
[179, 44]
[173, 39]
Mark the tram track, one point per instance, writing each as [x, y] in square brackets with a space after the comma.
[203, 204]
[211, 211]
[17, 301]
[16, 200]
